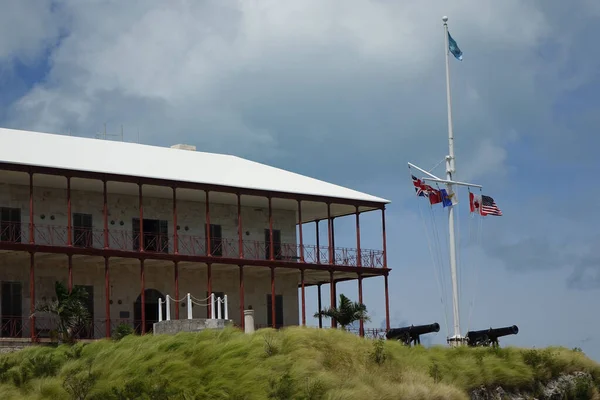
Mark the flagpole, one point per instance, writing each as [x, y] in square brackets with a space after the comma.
[457, 338]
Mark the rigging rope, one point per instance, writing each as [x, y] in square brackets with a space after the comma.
[442, 264]
[435, 263]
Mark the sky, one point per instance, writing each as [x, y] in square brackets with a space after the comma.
[349, 91]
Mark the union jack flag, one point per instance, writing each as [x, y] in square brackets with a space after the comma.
[424, 190]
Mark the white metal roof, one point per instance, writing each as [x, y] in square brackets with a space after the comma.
[132, 159]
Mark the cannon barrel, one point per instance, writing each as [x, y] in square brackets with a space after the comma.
[491, 335]
[411, 333]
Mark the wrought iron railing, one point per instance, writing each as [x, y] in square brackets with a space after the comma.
[193, 245]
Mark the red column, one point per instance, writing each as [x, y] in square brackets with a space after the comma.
[70, 282]
[318, 252]
[141, 227]
[240, 233]
[273, 296]
[384, 239]
[242, 296]
[69, 222]
[329, 235]
[176, 273]
[175, 232]
[300, 232]
[105, 213]
[271, 250]
[208, 286]
[143, 296]
[32, 293]
[387, 304]
[361, 326]
[69, 235]
[31, 226]
[107, 295]
[303, 297]
[332, 295]
[207, 217]
[358, 253]
[319, 304]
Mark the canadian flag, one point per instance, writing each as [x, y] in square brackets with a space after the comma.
[475, 202]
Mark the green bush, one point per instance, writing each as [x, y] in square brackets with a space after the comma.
[295, 363]
[121, 331]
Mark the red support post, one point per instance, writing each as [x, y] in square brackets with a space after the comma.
[32, 293]
[319, 305]
[31, 225]
[70, 268]
[361, 326]
[69, 222]
[271, 249]
[242, 296]
[332, 296]
[384, 239]
[141, 225]
[318, 252]
[175, 232]
[107, 295]
[209, 287]
[176, 273]
[273, 314]
[329, 235]
[387, 303]
[332, 240]
[358, 252]
[300, 232]
[105, 213]
[207, 216]
[303, 297]
[143, 295]
[240, 232]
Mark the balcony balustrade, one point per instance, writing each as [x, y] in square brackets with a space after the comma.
[191, 245]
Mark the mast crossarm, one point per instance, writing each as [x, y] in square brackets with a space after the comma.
[423, 171]
[448, 182]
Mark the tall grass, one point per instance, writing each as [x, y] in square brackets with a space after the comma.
[293, 363]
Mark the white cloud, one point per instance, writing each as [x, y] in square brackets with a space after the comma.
[27, 27]
[261, 76]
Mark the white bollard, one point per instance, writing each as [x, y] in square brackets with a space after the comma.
[159, 310]
[248, 321]
[169, 308]
[189, 306]
[218, 308]
[212, 306]
[226, 311]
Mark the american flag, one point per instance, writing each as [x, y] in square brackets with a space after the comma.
[489, 207]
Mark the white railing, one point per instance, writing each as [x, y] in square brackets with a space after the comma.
[189, 299]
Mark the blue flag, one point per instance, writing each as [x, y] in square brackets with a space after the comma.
[446, 202]
[453, 47]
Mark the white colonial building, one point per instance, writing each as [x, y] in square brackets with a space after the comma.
[132, 223]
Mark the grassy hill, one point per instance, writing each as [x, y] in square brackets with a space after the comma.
[294, 363]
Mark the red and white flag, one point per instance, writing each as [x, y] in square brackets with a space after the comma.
[484, 205]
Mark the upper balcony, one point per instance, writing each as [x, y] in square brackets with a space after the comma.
[189, 245]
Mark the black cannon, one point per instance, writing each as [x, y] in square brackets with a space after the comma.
[490, 336]
[411, 334]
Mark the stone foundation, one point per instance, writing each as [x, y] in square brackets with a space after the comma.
[175, 326]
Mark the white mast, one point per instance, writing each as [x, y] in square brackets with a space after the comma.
[456, 339]
[450, 169]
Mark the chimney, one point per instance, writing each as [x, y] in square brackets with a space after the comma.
[184, 147]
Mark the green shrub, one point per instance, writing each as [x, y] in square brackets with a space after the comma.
[121, 331]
